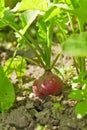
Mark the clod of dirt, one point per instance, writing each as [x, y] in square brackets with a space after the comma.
[63, 128]
[43, 116]
[18, 118]
[29, 105]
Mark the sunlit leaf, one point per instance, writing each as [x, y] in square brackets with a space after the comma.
[2, 24]
[63, 6]
[2, 7]
[17, 64]
[77, 95]
[75, 3]
[68, 2]
[81, 12]
[41, 30]
[9, 18]
[76, 45]
[81, 109]
[49, 14]
[58, 106]
[83, 3]
[27, 18]
[33, 5]
[7, 95]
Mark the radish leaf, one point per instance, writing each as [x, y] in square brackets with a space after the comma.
[7, 94]
[76, 45]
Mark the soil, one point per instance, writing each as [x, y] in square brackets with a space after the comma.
[32, 113]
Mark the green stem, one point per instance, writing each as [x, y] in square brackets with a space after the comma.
[62, 30]
[32, 61]
[83, 66]
[12, 59]
[27, 41]
[49, 44]
[72, 27]
[82, 59]
[55, 60]
[80, 26]
[36, 46]
[76, 65]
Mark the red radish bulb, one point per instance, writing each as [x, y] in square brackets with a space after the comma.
[47, 84]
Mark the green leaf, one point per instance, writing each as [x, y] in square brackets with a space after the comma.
[82, 76]
[2, 24]
[18, 64]
[83, 3]
[27, 18]
[63, 6]
[81, 11]
[7, 95]
[51, 12]
[58, 106]
[33, 5]
[75, 3]
[77, 95]
[9, 19]
[2, 7]
[76, 45]
[81, 109]
[41, 31]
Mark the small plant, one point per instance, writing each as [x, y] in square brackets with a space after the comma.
[57, 106]
[45, 12]
[76, 46]
[17, 64]
[7, 94]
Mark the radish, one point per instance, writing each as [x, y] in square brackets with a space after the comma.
[47, 84]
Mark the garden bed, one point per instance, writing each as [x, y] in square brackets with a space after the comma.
[32, 113]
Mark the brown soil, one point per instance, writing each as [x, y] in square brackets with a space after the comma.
[32, 113]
